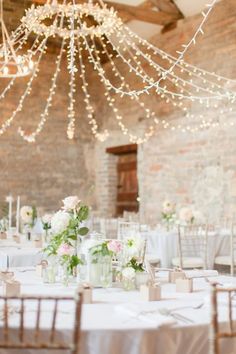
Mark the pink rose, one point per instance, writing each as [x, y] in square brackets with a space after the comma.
[65, 250]
[114, 246]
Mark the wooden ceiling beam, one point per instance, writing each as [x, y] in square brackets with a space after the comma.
[156, 17]
[139, 13]
[167, 6]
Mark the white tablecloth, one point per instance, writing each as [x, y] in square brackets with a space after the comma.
[13, 254]
[164, 245]
[108, 330]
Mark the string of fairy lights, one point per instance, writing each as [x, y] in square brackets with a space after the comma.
[135, 68]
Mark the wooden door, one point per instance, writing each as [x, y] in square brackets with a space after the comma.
[127, 187]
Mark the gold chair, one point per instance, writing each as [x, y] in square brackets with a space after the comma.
[229, 260]
[215, 333]
[33, 340]
[192, 247]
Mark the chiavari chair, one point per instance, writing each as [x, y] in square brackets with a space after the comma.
[217, 332]
[192, 247]
[230, 259]
[34, 338]
[109, 228]
[126, 229]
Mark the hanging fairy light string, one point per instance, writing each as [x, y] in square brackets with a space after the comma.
[150, 70]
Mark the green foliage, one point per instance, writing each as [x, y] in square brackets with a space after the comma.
[69, 236]
[100, 250]
[137, 266]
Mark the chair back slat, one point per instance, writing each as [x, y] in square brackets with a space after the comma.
[5, 320]
[52, 335]
[21, 330]
[38, 341]
[37, 326]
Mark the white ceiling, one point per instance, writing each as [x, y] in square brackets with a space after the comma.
[147, 30]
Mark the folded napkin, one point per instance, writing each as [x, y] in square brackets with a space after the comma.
[198, 273]
[141, 312]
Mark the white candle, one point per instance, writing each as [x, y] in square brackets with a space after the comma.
[9, 199]
[18, 215]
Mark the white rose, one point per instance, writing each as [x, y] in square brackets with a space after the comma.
[47, 218]
[186, 215]
[60, 222]
[128, 273]
[134, 244]
[168, 207]
[70, 203]
[26, 214]
[198, 217]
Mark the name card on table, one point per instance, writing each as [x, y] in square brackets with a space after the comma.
[150, 292]
[40, 267]
[38, 243]
[16, 238]
[3, 235]
[87, 291]
[11, 288]
[184, 285]
[176, 274]
[5, 276]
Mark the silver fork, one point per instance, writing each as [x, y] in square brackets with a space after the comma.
[177, 316]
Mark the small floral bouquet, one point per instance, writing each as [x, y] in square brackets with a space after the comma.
[4, 225]
[133, 245]
[101, 257]
[168, 213]
[189, 216]
[28, 215]
[46, 222]
[66, 230]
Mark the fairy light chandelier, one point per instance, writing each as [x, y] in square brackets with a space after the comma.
[150, 70]
[11, 64]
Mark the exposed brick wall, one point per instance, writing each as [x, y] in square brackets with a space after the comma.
[176, 165]
[170, 164]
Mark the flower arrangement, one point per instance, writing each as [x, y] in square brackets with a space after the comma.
[133, 245]
[136, 264]
[66, 227]
[188, 215]
[168, 213]
[46, 221]
[28, 215]
[109, 248]
[4, 224]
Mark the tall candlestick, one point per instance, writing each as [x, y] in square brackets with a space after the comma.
[9, 199]
[18, 215]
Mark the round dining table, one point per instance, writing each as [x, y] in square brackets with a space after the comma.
[120, 322]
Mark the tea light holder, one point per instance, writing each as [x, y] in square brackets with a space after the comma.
[150, 292]
[11, 288]
[176, 274]
[184, 285]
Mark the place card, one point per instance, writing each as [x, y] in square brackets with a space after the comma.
[5, 276]
[3, 235]
[87, 291]
[184, 285]
[41, 267]
[176, 274]
[151, 292]
[38, 243]
[11, 288]
[16, 238]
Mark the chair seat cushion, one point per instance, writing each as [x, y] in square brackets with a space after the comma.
[189, 262]
[223, 260]
[152, 259]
